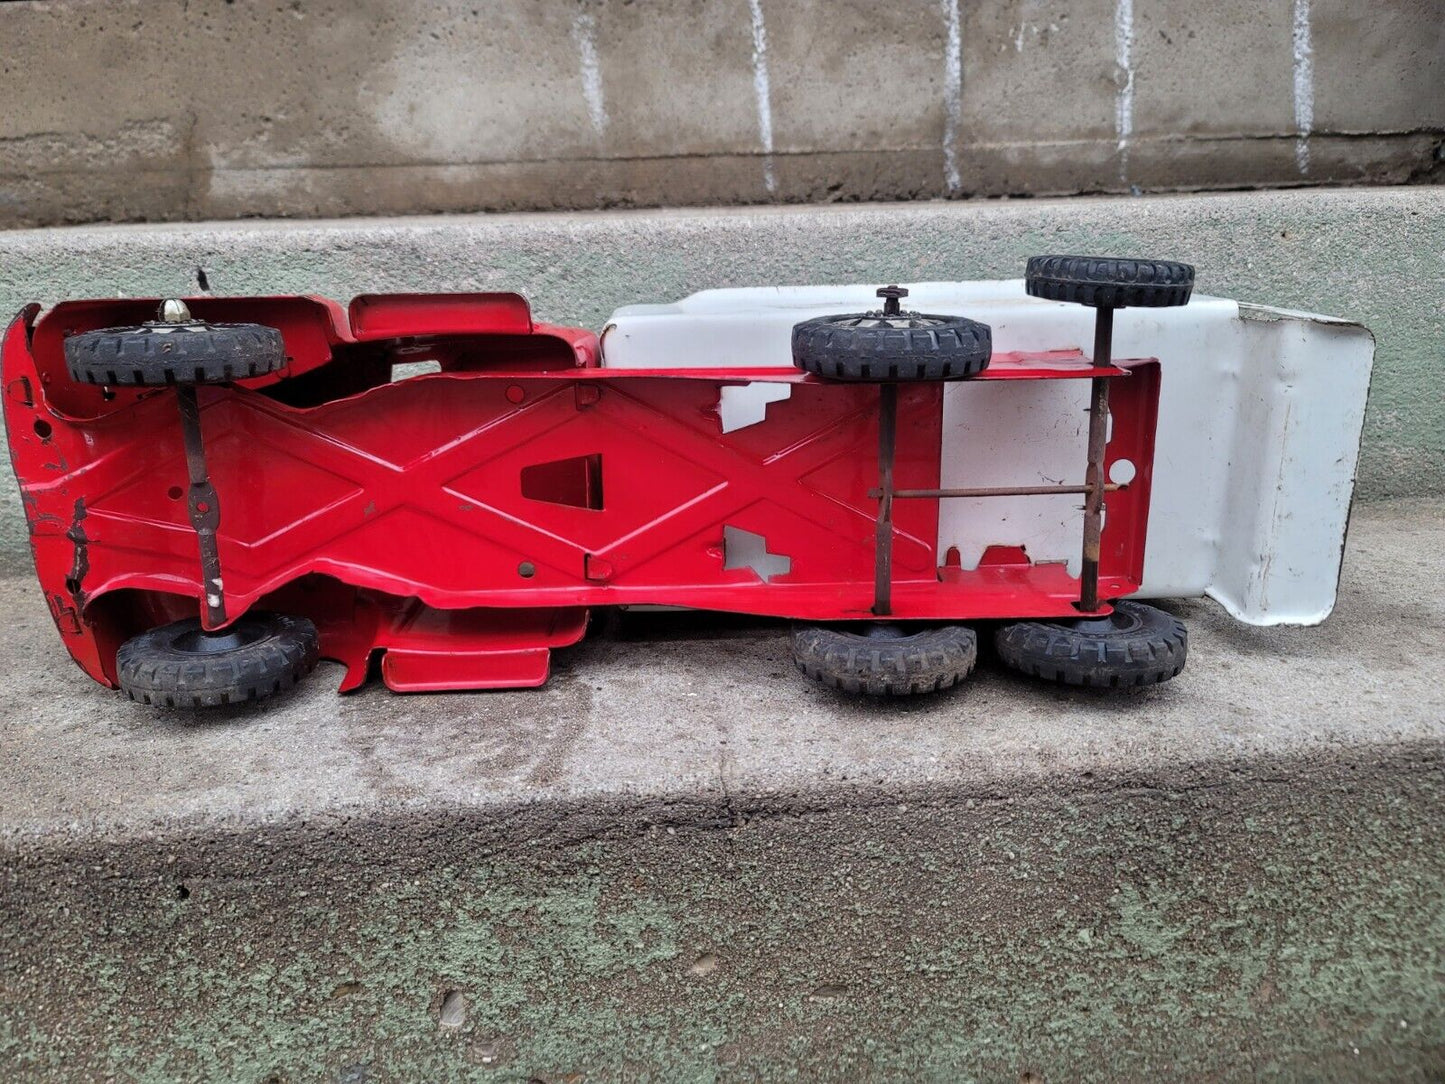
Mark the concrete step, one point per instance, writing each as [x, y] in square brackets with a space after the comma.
[1367, 254]
[680, 861]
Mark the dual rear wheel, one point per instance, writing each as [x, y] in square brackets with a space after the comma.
[1134, 645]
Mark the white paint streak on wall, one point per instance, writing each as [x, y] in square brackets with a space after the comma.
[763, 92]
[584, 33]
[1304, 84]
[952, 94]
[1124, 102]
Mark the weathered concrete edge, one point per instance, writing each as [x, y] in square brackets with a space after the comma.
[559, 822]
[1370, 255]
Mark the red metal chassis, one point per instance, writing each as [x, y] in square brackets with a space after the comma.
[462, 523]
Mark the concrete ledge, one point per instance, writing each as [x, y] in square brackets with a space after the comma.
[1371, 255]
[681, 862]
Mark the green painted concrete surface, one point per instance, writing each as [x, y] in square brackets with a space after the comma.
[1373, 255]
[1273, 920]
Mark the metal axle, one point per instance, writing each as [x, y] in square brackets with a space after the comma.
[891, 296]
[996, 491]
[1094, 471]
[883, 541]
[201, 501]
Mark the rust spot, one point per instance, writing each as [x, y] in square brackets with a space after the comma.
[75, 582]
[66, 619]
[19, 390]
[34, 517]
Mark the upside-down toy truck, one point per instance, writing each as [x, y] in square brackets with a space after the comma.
[221, 491]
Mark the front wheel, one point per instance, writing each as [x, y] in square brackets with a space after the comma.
[1134, 645]
[180, 665]
[174, 349]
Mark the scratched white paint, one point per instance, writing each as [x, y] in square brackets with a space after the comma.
[584, 33]
[1124, 102]
[1304, 84]
[742, 405]
[952, 94]
[763, 92]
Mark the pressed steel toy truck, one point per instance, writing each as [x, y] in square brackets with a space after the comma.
[221, 491]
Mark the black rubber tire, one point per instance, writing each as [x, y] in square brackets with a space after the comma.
[888, 662]
[161, 667]
[950, 348]
[1142, 646]
[1107, 283]
[153, 355]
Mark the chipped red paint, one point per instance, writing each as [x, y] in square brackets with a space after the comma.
[394, 513]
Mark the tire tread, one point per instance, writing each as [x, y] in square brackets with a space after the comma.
[1150, 655]
[143, 357]
[927, 661]
[1105, 282]
[826, 347]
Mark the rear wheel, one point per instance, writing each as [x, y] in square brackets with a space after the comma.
[1134, 645]
[892, 346]
[885, 660]
[180, 665]
[1109, 283]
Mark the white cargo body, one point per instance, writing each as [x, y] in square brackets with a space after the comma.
[1260, 415]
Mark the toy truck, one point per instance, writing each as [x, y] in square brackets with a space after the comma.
[221, 491]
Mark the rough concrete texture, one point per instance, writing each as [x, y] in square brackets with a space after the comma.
[190, 109]
[1373, 255]
[682, 862]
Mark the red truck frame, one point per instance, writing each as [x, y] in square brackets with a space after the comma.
[461, 524]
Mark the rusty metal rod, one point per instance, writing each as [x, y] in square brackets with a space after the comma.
[883, 541]
[205, 509]
[1094, 471]
[995, 491]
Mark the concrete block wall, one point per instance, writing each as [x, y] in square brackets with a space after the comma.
[147, 110]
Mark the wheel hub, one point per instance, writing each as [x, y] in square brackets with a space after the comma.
[883, 630]
[1106, 625]
[892, 319]
[197, 641]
